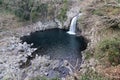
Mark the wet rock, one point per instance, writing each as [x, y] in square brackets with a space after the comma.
[59, 24]
[52, 74]
[63, 71]
[71, 13]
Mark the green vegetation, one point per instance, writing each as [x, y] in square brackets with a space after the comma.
[1, 1]
[92, 75]
[25, 9]
[88, 55]
[98, 12]
[107, 10]
[30, 9]
[109, 50]
[43, 78]
[118, 1]
[62, 15]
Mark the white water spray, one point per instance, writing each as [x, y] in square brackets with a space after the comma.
[73, 24]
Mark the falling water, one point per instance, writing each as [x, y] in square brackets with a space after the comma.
[73, 25]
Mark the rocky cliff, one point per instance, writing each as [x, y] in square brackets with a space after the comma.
[100, 20]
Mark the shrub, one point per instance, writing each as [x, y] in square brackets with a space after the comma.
[110, 49]
[62, 15]
[43, 78]
[30, 9]
[92, 75]
[98, 12]
[1, 1]
[35, 9]
[118, 1]
[107, 10]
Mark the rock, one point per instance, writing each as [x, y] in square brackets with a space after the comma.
[83, 66]
[46, 74]
[70, 14]
[92, 62]
[27, 78]
[83, 71]
[58, 23]
[63, 78]
[40, 65]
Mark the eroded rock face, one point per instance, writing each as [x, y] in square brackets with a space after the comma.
[13, 54]
[72, 12]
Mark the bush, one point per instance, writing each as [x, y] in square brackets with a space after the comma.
[43, 78]
[110, 49]
[98, 12]
[92, 75]
[35, 9]
[107, 10]
[62, 15]
[30, 9]
[1, 1]
[118, 1]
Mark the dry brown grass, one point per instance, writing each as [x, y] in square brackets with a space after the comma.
[8, 22]
[112, 72]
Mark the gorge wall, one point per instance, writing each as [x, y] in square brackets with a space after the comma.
[100, 20]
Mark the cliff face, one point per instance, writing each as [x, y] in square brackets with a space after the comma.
[13, 53]
[100, 20]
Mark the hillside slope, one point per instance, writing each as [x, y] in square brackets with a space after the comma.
[100, 24]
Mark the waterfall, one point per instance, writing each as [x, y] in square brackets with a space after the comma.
[73, 24]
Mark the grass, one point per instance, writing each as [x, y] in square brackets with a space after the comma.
[118, 1]
[25, 9]
[30, 10]
[43, 78]
[62, 15]
[108, 51]
[8, 20]
[89, 75]
[92, 75]
[107, 10]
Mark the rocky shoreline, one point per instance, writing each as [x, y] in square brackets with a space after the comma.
[14, 53]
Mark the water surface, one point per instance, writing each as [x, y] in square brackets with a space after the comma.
[57, 44]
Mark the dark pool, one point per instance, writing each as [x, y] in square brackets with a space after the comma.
[57, 44]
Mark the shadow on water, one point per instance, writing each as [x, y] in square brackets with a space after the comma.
[57, 44]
